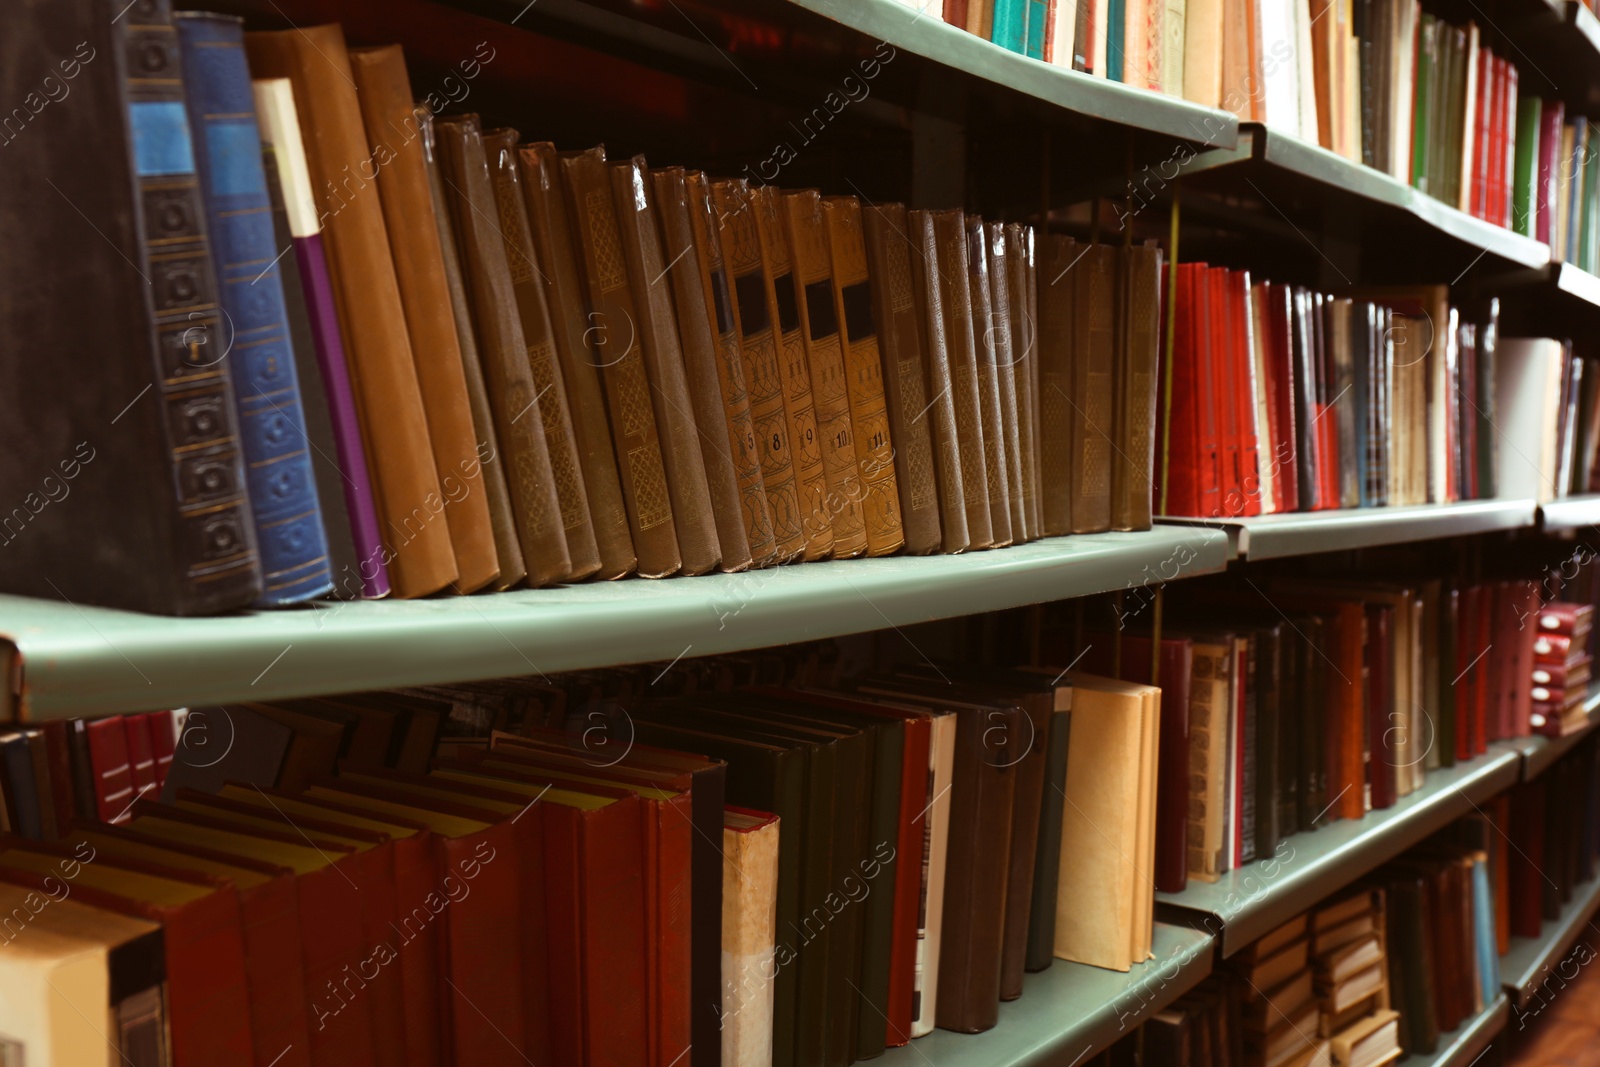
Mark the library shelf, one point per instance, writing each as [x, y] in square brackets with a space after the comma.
[1585, 24]
[1071, 1010]
[1462, 1046]
[1259, 897]
[1530, 961]
[1575, 281]
[1538, 753]
[1570, 513]
[71, 660]
[1301, 533]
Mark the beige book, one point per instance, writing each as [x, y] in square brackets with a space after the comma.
[936, 850]
[1204, 55]
[1326, 941]
[1469, 137]
[1293, 930]
[1293, 1034]
[1350, 992]
[1208, 733]
[1265, 1013]
[1369, 1041]
[749, 934]
[1336, 966]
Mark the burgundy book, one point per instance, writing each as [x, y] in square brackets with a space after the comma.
[1380, 707]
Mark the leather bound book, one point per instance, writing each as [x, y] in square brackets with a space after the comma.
[399, 157]
[609, 303]
[1025, 342]
[519, 421]
[820, 332]
[900, 337]
[1382, 758]
[869, 414]
[491, 465]
[940, 410]
[559, 273]
[997, 443]
[783, 312]
[1058, 259]
[749, 929]
[730, 214]
[744, 433]
[157, 518]
[955, 299]
[716, 382]
[368, 576]
[657, 333]
[1135, 389]
[394, 422]
[277, 454]
[1006, 353]
[1093, 362]
[113, 774]
[500, 152]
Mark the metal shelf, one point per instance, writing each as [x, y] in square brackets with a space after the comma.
[1071, 1010]
[1529, 960]
[1301, 533]
[1256, 899]
[1570, 513]
[1462, 1046]
[1538, 753]
[93, 661]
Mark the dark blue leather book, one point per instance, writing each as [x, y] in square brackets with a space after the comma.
[272, 431]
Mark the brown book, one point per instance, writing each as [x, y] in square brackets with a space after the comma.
[393, 419]
[783, 310]
[538, 335]
[1025, 365]
[559, 274]
[1058, 261]
[1091, 390]
[812, 277]
[745, 432]
[1005, 358]
[519, 424]
[869, 413]
[392, 125]
[609, 309]
[949, 228]
[657, 334]
[733, 472]
[995, 444]
[1133, 459]
[900, 338]
[491, 466]
[735, 225]
[941, 408]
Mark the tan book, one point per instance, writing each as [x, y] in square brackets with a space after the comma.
[1206, 54]
[949, 228]
[1368, 1042]
[901, 343]
[864, 377]
[1334, 965]
[1265, 1011]
[812, 280]
[727, 436]
[735, 223]
[538, 336]
[783, 312]
[940, 410]
[393, 129]
[1292, 930]
[1020, 252]
[609, 309]
[1091, 393]
[1349, 992]
[1208, 734]
[996, 442]
[519, 423]
[749, 933]
[394, 421]
[1326, 941]
[1133, 458]
[552, 234]
[492, 466]
[1267, 972]
[1294, 1034]
[1342, 911]
[1059, 258]
[1006, 347]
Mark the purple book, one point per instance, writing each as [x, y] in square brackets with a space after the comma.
[1549, 163]
[280, 129]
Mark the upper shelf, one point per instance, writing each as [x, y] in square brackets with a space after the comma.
[1301, 533]
[1256, 899]
[89, 661]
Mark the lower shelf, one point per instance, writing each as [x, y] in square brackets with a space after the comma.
[1071, 1010]
[1462, 1046]
[1532, 961]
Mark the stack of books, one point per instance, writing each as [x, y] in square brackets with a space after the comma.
[1562, 668]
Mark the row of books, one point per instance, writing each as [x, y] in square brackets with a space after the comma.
[1549, 426]
[1567, 212]
[582, 369]
[59, 771]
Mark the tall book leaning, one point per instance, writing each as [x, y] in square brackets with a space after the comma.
[132, 493]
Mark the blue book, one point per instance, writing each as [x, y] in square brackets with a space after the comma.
[1038, 15]
[1010, 25]
[24, 789]
[1116, 35]
[1483, 929]
[278, 473]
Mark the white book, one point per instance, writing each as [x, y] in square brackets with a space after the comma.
[935, 853]
[1527, 393]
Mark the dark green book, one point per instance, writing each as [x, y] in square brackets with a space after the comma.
[1423, 116]
[1525, 181]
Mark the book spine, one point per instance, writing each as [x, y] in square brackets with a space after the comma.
[277, 453]
[956, 302]
[995, 445]
[941, 409]
[1006, 346]
[214, 549]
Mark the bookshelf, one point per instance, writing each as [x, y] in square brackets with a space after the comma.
[1531, 959]
[1574, 513]
[1069, 1010]
[1539, 753]
[1305, 533]
[1246, 903]
[1462, 1046]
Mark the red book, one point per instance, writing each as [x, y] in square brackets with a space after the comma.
[1558, 674]
[1526, 604]
[1280, 445]
[1566, 618]
[113, 777]
[1484, 672]
[1527, 859]
[1225, 391]
[1242, 329]
[1327, 420]
[1509, 143]
[955, 12]
[1551, 120]
[1189, 471]
[1470, 662]
[1381, 756]
[1484, 108]
[141, 755]
[163, 742]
